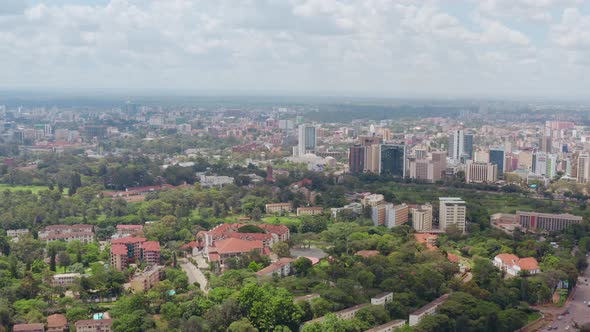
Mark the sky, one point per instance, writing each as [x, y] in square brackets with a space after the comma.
[385, 48]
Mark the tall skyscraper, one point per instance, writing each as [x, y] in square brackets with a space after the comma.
[307, 139]
[583, 168]
[497, 156]
[356, 159]
[393, 160]
[452, 211]
[468, 145]
[460, 145]
[540, 163]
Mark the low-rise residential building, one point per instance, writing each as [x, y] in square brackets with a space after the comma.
[67, 233]
[65, 279]
[35, 327]
[278, 207]
[353, 208]
[94, 325]
[282, 268]
[147, 279]
[513, 265]
[344, 314]
[429, 309]
[546, 221]
[207, 181]
[306, 298]
[388, 327]
[16, 234]
[57, 323]
[310, 211]
[382, 298]
[128, 230]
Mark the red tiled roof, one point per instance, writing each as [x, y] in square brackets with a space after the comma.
[214, 257]
[453, 258]
[133, 227]
[232, 245]
[250, 236]
[56, 320]
[119, 249]
[508, 259]
[275, 266]
[129, 240]
[28, 327]
[276, 229]
[151, 246]
[367, 253]
[94, 322]
[192, 244]
[528, 263]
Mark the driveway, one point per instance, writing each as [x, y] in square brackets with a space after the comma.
[194, 274]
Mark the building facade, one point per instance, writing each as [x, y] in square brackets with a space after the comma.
[422, 218]
[481, 172]
[546, 221]
[452, 211]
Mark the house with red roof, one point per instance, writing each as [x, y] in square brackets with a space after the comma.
[57, 323]
[282, 268]
[232, 247]
[513, 265]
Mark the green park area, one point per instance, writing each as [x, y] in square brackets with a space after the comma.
[33, 189]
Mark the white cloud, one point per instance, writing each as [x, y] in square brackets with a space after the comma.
[368, 46]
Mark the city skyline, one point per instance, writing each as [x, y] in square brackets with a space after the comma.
[360, 48]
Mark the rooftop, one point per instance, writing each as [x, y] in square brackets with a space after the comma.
[151, 246]
[394, 323]
[28, 327]
[233, 245]
[129, 240]
[56, 320]
[119, 249]
[275, 266]
[430, 305]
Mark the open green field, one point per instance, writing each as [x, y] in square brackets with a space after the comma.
[34, 189]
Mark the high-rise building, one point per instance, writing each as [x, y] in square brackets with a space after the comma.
[460, 145]
[452, 211]
[583, 168]
[422, 218]
[540, 163]
[420, 169]
[481, 172]
[551, 166]
[546, 143]
[468, 145]
[393, 160]
[497, 156]
[307, 139]
[356, 159]
[372, 156]
[370, 140]
[439, 164]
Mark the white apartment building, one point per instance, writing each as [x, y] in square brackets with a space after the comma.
[422, 218]
[452, 211]
[481, 172]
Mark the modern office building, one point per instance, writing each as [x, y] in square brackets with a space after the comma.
[372, 156]
[460, 145]
[452, 211]
[539, 163]
[356, 159]
[583, 168]
[481, 172]
[307, 139]
[393, 160]
[546, 221]
[497, 156]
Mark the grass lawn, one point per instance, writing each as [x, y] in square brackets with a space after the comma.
[533, 316]
[34, 189]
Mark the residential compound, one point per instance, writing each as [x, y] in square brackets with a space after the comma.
[67, 233]
[514, 266]
[127, 250]
[230, 240]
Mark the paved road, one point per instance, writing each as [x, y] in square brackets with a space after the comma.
[194, 274]
[579, 312]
